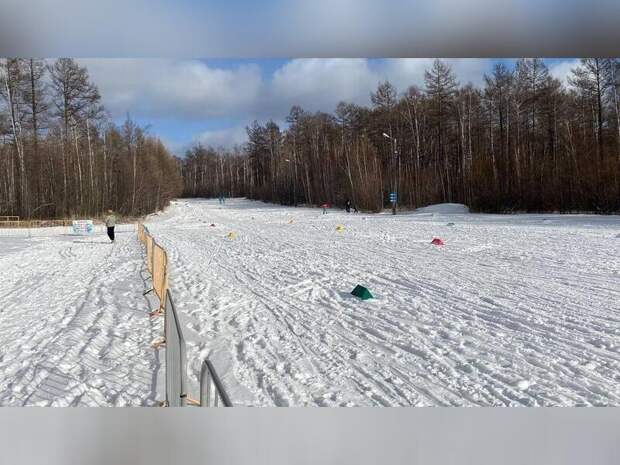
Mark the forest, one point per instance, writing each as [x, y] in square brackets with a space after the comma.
[523, 141]
[61, 156]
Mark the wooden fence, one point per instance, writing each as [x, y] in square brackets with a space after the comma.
[15, 222]
[157, 265]
[10, 222]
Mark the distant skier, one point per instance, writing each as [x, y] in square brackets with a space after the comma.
[110, 222]
[221, 199]
[347, 206]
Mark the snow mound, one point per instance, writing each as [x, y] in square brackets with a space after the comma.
[445, 208]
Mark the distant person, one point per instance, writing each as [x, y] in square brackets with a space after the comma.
[347, 206]
[110, 222]
[222, 199]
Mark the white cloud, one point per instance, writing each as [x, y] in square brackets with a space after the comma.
[194, 90]
[471, 69]
[225, 138]
[562, 70]
[319, 84]
[184, 89]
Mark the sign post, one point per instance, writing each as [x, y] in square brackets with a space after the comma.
[393, 199]
[395, 166]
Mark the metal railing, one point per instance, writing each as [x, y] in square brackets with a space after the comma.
[176, 371]
[208, 379]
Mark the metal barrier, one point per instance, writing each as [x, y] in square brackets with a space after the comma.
[208, 378]
[176, 372]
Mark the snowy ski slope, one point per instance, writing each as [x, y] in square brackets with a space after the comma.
[73, 324]
[519, 310]
[513, 310]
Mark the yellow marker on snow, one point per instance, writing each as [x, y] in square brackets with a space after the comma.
[231, 235]
[340, 228]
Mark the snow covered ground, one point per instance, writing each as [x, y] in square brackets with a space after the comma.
[73, 324]
[513, 310]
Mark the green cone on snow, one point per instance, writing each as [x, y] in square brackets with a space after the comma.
[361, 292]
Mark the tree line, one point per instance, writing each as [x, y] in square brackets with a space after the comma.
[523, 141]
[60, 154]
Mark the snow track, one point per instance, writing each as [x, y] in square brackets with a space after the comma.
[514, 310]
[73, 323]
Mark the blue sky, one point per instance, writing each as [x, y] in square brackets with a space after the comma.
[211, 101]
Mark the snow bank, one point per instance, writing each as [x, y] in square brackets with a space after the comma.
[444, 208]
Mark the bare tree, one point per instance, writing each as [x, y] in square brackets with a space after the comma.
[441, 86]
[12, 79]
[523, 141]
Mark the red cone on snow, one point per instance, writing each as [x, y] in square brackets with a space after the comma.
[437, 241]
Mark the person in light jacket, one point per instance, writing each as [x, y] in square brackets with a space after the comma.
[110, 222]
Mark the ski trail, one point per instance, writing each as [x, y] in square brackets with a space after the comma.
[74, 325]
[513, 310]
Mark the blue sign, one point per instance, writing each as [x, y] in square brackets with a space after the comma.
[393, 196]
